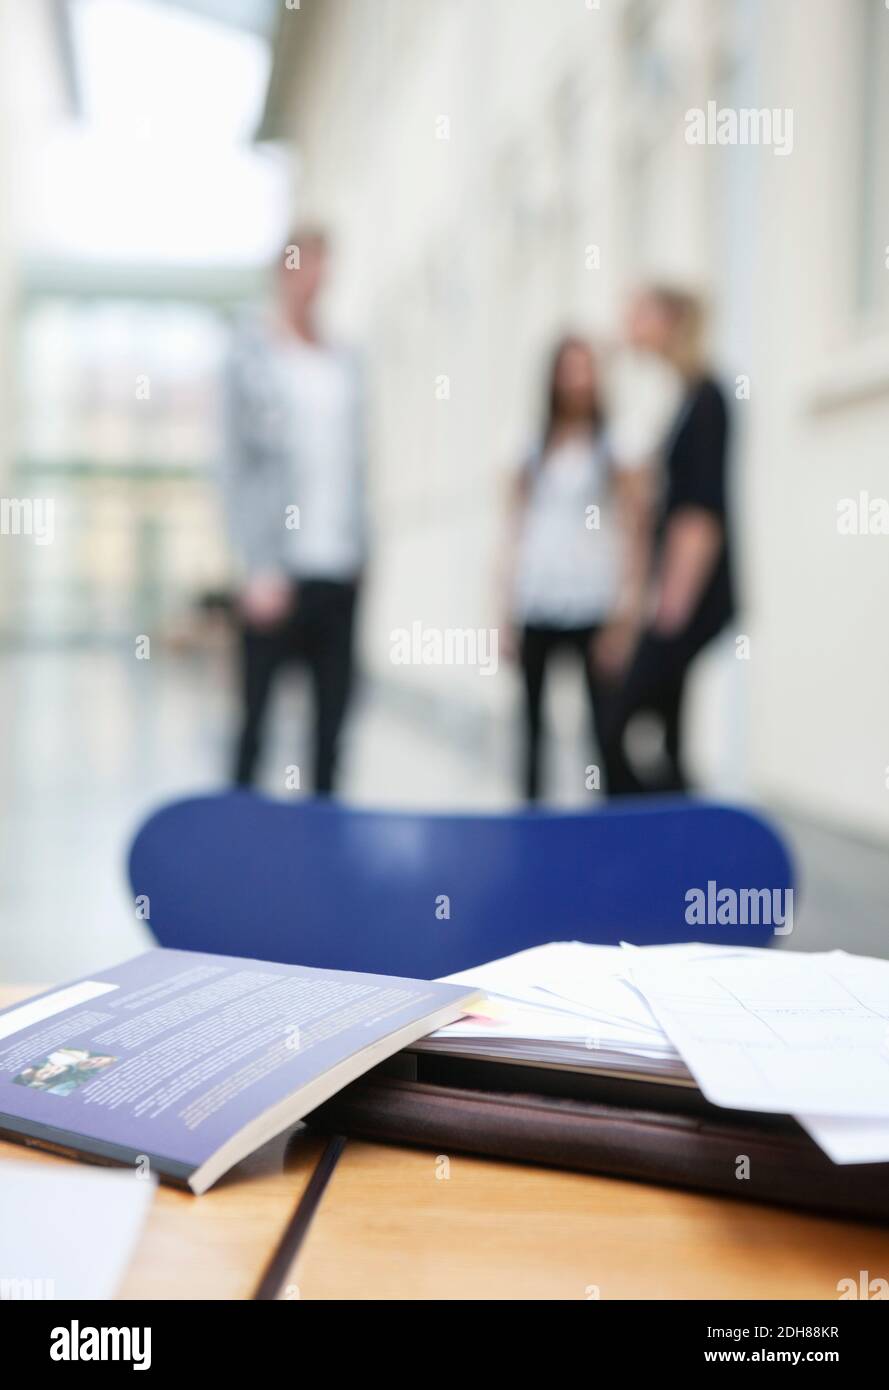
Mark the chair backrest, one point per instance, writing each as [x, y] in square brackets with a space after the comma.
[423, 895]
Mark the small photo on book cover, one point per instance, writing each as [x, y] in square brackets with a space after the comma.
[62, 1071]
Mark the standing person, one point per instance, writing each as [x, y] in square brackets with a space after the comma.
[689, 596]
[294, 475]
[564, 570]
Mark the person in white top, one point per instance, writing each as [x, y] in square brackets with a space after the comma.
[294, 480]
[569, 547]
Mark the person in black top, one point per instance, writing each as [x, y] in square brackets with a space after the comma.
[687, 599]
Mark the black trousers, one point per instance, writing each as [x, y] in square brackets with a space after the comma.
[318, 633]
[655, 684]
[538, 645]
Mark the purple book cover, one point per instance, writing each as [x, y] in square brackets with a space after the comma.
[170, 1054]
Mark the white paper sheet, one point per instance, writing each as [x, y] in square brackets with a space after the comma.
[848, 1140]
[68, 1231]
[778, 1031]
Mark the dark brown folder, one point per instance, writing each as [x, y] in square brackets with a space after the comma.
[760, 1158]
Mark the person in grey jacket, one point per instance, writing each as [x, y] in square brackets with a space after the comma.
[293, 479]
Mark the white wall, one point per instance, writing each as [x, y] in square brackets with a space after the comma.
[465, 256]
[820, 731]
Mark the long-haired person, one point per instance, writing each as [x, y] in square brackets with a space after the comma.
[565, 556]
[689, 590]
[294, 480]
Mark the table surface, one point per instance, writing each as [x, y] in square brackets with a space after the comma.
[399, 1223]
[391, 1227]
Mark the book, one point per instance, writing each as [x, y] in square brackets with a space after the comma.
[184, 1062]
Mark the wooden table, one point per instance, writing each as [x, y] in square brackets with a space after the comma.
[391, 1225]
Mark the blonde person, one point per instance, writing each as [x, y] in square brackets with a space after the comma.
[688, 595]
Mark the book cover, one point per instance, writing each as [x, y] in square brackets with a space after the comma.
[186, 1062]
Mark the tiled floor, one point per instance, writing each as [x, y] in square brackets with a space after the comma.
[95, 739]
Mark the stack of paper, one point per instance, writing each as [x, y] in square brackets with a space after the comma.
[562, 1005]
[804, 1035]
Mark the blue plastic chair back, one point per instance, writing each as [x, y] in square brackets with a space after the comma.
[323, 884]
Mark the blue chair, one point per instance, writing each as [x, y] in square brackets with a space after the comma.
[323, 884]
